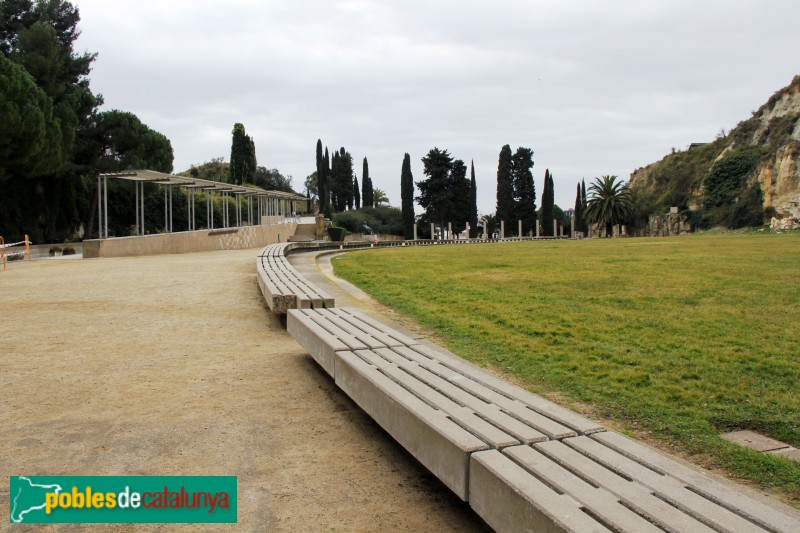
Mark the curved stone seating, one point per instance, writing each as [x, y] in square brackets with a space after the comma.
[282, 286]
[522, 462]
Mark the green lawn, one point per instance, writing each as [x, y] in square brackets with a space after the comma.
[683, 338]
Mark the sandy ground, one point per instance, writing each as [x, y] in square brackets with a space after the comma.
[172, 365]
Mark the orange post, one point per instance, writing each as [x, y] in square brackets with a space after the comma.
[27, 248]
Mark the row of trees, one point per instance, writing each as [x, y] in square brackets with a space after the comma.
[335, 184]
[53, 139]
[448, 196]
[218, 169]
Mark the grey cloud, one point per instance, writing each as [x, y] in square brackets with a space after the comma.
[594, 88]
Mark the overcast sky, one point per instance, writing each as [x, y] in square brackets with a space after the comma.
[593, 87]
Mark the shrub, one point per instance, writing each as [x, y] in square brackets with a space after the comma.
[386, 220]
[336, 233]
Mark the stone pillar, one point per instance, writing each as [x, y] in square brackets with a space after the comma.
[450, 231]
[467, 230]
[572, 227]
[538, 227]
[555, 228]
[433, 235]
[519, 223]
[415, 231]
[485, 234]
[502, 229]
[319, 232]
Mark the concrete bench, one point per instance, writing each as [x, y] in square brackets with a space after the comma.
[282, 286]
[606, 481]
[522, 462]
[438, 407]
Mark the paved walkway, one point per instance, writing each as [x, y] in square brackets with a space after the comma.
[171, 365]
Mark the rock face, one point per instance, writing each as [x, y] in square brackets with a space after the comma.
[774, 130]
[780, 178]
[789, 216]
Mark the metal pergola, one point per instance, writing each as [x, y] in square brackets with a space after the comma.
[267, 203]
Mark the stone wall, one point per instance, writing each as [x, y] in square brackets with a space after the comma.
[353, 237]
[189, 241]
[673, 223]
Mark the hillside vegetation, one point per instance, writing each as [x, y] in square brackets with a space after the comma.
[737, 180]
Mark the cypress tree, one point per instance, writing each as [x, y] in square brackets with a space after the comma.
[366, 186]
[459, 186]
[473, 203]
[578, 216]
[342, 182]
[332, 178]
[524, 189]
[320, 177]
[356, 192]
[243, 156]
[407, 197]
[505, 187]
[324, 189]
[584, 220]
[547, 205]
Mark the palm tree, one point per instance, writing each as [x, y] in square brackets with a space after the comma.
[379, 197]
[610, 203]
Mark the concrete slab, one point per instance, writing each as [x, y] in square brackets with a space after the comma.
[769, 515]
[602, 503]
[441, 445]
[754, 441]
[484, 429]
[320, 342]
[636, 495]
[439, 378]
[667, 487]
[789, 453]
[573, 422]
[508, 498]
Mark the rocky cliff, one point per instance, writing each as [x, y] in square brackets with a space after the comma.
[755, 164]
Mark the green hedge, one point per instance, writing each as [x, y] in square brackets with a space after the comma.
[336, 234]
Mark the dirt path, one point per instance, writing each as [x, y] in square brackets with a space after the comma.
[172, 365]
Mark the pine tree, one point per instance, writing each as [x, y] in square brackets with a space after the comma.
[547, 205]
[445, 194]
[524, 189]
[356, 192]
[407, 197]
[473, 203]
[366, 186]
[436, 196]
[505, 187]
